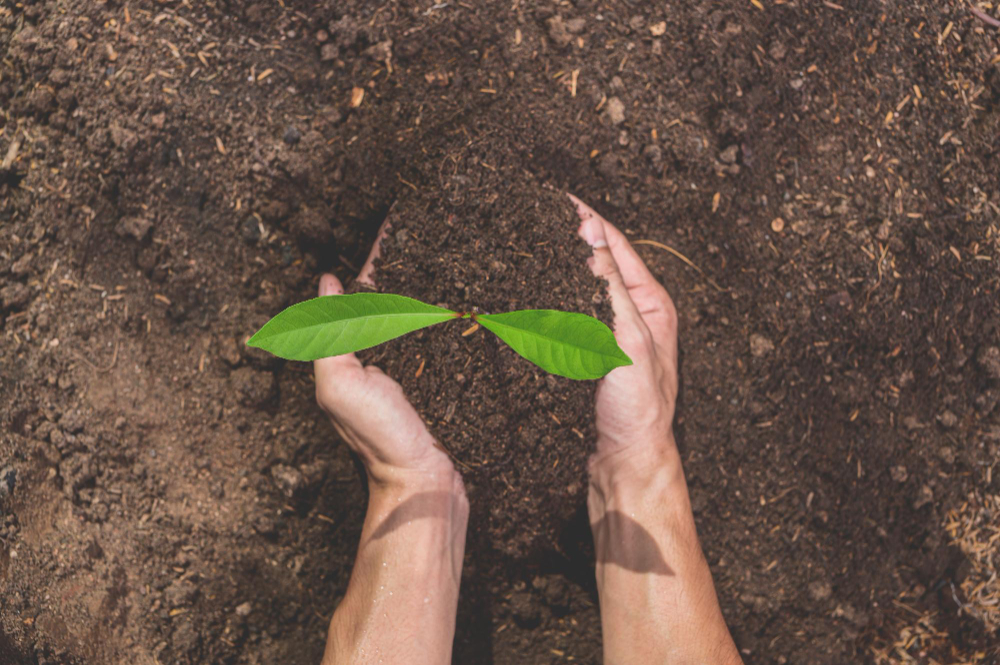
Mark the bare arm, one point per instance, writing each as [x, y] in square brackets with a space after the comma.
[401, 601]
[658, 602]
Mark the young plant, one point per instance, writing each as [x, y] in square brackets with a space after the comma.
[573, 345]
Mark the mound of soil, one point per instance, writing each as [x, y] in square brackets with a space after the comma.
[174, 173]
[482, 234]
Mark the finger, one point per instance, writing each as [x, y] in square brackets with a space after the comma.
[330, 372]
[602, 264]
[367, 274]
[650, 298]
[634, 271]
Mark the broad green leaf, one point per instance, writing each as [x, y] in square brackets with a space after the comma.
[335, 325]
[573, 345]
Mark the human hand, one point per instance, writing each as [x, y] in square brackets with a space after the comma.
[657, 599]
[370, 411]
[635, 404]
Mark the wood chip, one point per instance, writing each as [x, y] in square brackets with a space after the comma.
[357, 96]
[12, 150]
[473, 328]
[218, 144]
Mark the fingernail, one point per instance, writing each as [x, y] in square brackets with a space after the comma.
[592, 231]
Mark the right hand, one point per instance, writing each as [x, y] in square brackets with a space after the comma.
[635, 404]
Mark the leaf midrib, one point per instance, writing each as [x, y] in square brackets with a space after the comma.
[553, 340]
[355, 318]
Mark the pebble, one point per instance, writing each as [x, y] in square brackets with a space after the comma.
[899, 473]
[760, 346]
[244, 609]
[615, 111]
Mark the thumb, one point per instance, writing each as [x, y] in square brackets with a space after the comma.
[328, 369]
[329, 285]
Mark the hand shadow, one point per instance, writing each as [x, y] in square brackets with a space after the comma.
[637, 552]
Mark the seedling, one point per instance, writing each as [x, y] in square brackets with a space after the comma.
[573, 345]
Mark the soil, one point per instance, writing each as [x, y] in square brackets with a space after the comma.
[482, 235]
[174, 173]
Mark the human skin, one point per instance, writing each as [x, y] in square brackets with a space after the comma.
[657, 599]
[658, 603]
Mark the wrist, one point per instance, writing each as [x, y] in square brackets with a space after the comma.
[637, 469]
[441, 479]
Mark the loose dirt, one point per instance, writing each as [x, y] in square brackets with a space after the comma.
[172, 174]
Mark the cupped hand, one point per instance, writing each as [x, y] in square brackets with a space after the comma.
[370, 411]
[635, 404]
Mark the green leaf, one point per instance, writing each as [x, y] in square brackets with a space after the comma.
[573, 345]
[335, 325]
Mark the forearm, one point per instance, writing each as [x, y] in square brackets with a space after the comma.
[401, 601]
[658, 602]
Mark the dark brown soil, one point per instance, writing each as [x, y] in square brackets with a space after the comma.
[174, 173]
[482, 235]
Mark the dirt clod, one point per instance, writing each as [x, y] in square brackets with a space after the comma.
[288, 479]
[14, 296]
[615, 111]
[137, 228]
[820, 590]
[760, 346]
